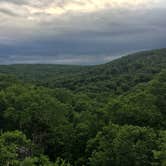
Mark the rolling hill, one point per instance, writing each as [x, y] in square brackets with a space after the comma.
[116, 76]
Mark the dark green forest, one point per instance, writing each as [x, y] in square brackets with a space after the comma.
[112, 114]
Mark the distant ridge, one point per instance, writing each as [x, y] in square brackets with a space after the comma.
[133, 68]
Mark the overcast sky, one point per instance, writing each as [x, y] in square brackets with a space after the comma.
[79, 31]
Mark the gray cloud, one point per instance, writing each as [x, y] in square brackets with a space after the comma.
[19, 2]
[29, 34]
[8, 12]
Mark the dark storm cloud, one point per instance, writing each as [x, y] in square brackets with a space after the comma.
[19, 2]
[38, 36]
[8, 12]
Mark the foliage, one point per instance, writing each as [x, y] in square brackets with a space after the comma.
[126, 145]
[14, 147]
[111, 114]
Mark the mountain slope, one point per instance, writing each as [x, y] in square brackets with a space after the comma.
[114, 77]
[119, 75]
[114, 115]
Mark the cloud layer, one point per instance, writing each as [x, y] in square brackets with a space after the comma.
[78, 31]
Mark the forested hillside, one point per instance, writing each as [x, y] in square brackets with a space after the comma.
[117, 76]
[107, 115]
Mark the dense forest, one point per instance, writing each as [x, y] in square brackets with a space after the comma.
[112, 114]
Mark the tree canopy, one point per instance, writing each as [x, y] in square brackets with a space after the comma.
[111, 114]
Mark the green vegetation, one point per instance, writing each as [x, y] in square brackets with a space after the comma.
[111, 114]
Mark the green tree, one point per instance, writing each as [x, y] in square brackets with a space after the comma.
[123, 146]
[14, 147]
